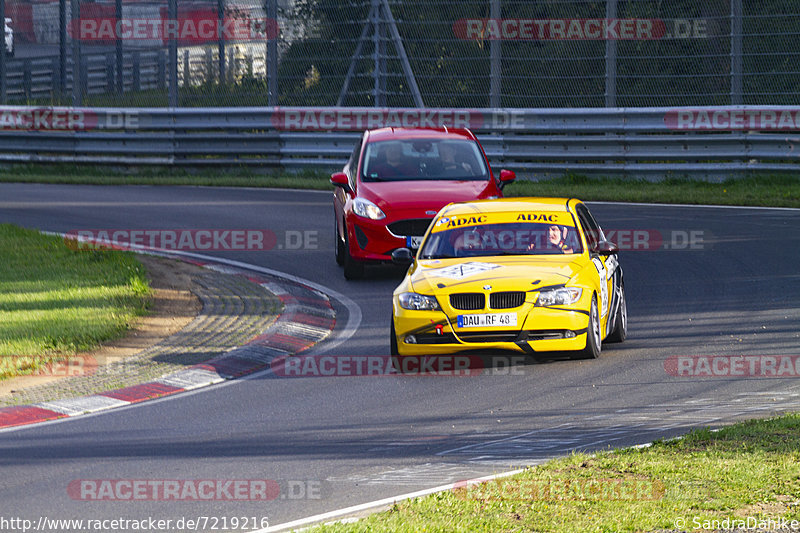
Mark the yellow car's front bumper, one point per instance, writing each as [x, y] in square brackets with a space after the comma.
[543, 329]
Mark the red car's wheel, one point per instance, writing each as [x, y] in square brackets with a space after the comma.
[353, 269]
[339, 247]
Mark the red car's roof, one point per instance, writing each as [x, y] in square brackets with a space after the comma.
[385, 134]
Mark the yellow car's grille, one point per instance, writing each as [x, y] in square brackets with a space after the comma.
[468, 301]
[506, 300]
[471, 301]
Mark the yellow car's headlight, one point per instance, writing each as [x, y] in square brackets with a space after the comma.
[560, 296]
[418, 302]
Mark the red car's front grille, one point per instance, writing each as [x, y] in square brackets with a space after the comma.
[413, 226]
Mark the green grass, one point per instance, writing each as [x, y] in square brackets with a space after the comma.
[229, 177]
[56, 302]
[749, 470]
[765, 190]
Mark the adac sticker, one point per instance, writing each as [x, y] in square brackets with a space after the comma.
[544, 217]
[463, 270]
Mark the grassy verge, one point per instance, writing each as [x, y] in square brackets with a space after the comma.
[229, 177]
[766, 190]
[56, 302]
[748, 472]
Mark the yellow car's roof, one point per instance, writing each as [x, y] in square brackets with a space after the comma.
[508, 204]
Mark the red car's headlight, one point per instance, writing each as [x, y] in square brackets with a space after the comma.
[365, 208]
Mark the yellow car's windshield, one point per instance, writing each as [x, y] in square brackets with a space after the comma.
[517, 238]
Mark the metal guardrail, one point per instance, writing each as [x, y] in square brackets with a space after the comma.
[711, 143]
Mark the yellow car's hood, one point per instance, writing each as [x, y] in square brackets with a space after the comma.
[432, 276]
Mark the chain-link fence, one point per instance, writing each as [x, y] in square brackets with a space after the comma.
[401, 53]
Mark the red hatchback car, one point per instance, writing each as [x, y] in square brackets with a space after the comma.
[394, 183]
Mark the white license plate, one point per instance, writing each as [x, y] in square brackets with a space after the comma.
[413, 242]
[487, 320]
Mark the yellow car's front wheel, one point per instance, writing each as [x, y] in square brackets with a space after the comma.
[592, 349]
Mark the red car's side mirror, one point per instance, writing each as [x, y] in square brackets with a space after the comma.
[506, 177]
[340, 179]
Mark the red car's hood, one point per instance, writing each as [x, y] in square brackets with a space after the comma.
[421, 194]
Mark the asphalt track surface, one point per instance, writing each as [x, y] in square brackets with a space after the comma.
[727, 283]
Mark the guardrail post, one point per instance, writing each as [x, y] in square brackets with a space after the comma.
[77, 93]
[3, 55]
[27, 79]
[495, 72]
[84, 76]
[172, 15]
[118, 47]
[611, 59]
[187, 72]
[161, 75]
[220, 40]
[112, 75]
[209, 66]
[378, 56]
[61, 84]
[137, 75]
[57, 80]
[736, 52]
[272, 55]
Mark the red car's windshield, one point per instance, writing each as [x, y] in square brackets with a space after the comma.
[424, 159]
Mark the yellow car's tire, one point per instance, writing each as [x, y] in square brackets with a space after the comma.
[620, 331]
[592, 349]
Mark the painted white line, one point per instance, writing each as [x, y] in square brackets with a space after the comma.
[81, 405]
[374, 505]
[380, 503]
[190, 378]
[138, 405]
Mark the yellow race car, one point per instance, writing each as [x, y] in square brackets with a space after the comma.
[523, 274]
